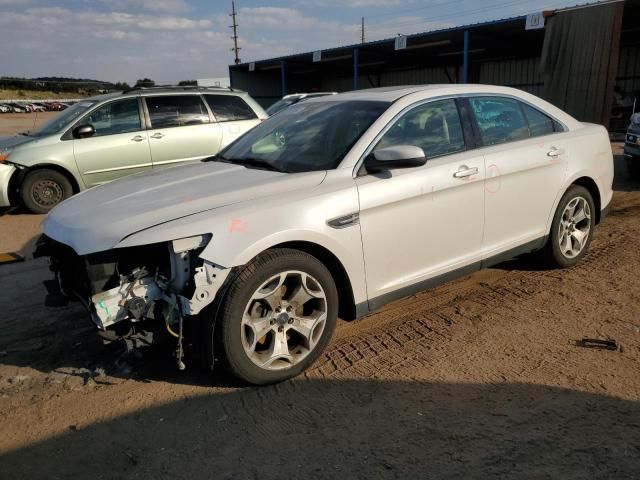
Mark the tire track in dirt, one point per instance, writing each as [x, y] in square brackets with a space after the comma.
[398, 340]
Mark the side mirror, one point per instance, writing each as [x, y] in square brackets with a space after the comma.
[398, 156]
[84, 131]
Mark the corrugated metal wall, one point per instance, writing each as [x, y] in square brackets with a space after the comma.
[420, 76]
[522, 73]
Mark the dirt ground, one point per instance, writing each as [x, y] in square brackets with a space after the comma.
[478, 378]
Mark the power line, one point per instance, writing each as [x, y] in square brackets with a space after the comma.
[387, 27]
[236, 49]
[411, 10]
[448, 16]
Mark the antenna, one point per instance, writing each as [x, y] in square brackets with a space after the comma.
[236, 49]
[362, 30]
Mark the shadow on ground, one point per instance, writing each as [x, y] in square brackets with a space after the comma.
[353, 429]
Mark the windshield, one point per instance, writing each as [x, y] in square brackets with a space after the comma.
[280, 104]
[63, 119]
[306, 137]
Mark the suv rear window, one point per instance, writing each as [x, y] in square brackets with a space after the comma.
[176, 111]
[229, 108]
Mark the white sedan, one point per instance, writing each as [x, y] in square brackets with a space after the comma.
[335, 206]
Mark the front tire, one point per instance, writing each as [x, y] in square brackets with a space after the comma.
[572, 228]
[42, 190]
[277, 316]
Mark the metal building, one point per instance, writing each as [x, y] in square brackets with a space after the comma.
[584, 59]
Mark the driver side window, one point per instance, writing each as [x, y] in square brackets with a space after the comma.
[435, 127]
[121, 116]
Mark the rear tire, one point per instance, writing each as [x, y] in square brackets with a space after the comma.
[277, 316]
[572, 228]
[42, 190]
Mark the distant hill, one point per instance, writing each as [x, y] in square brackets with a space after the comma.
[81, 86]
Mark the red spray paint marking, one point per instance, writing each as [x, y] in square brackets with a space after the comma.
[237, 226]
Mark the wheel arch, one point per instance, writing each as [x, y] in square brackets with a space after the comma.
[592, 188]
[75, 184]
[346, 300]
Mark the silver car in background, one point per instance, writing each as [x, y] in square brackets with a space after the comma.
[107, 137]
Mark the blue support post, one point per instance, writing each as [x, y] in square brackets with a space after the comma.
[465, 58]
[356, 55]
[283, 78]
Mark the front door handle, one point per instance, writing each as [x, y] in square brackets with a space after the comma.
[555, 152]
[157, 135]
[464, 171]
[138, 138]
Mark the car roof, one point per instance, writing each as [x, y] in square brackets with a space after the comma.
[134, 92]
[391, 94]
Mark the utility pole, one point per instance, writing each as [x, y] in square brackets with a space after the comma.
[362, 29]
[236, 49]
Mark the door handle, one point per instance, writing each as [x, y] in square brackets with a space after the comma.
[555, 152]
[464, 171]
[157, 135]
[138, 138]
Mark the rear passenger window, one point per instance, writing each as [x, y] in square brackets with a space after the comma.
[229, 108]
[500, 120]
[176, 111]
[539, 123]
[434, 127]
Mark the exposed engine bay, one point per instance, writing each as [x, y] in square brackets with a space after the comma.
[135, 291]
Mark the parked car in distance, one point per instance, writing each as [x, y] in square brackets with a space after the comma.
[103, 138]
[632, 146]
[294, 98]
[4, 108]
[336, 206]
[17, 108]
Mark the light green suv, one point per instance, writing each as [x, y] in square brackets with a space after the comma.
[107, 137]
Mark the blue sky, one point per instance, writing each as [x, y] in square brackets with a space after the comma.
[171, 40]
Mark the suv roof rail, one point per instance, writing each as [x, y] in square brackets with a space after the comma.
[181, 87]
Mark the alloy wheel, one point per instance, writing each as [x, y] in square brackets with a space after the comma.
[574, 227]
[284, 320]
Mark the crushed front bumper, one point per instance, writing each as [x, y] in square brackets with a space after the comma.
[6, 172]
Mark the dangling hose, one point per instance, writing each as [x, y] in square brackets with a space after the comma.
[167, 319]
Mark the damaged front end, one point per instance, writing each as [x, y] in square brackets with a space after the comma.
[135, 292]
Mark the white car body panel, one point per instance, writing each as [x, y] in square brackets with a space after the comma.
[518, 173]
[425, 211]
[6, 171]
[414, 225]
[159, 197]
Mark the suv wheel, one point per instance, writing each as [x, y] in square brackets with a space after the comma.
[42, 190]
[572, 227]
[278, 315]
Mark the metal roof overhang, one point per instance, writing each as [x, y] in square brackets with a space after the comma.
[498, 39]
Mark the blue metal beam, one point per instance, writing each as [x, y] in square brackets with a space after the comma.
[465, 58]
[356, 55]
[301, 56]
[283, 78]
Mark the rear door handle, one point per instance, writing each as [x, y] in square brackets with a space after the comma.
[555, 152]
[138, 138]
[464, 171]
[157, 135]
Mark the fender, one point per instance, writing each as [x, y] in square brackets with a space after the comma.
[240, 232]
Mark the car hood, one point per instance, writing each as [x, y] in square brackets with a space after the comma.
[14, 141]
[99, 218]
